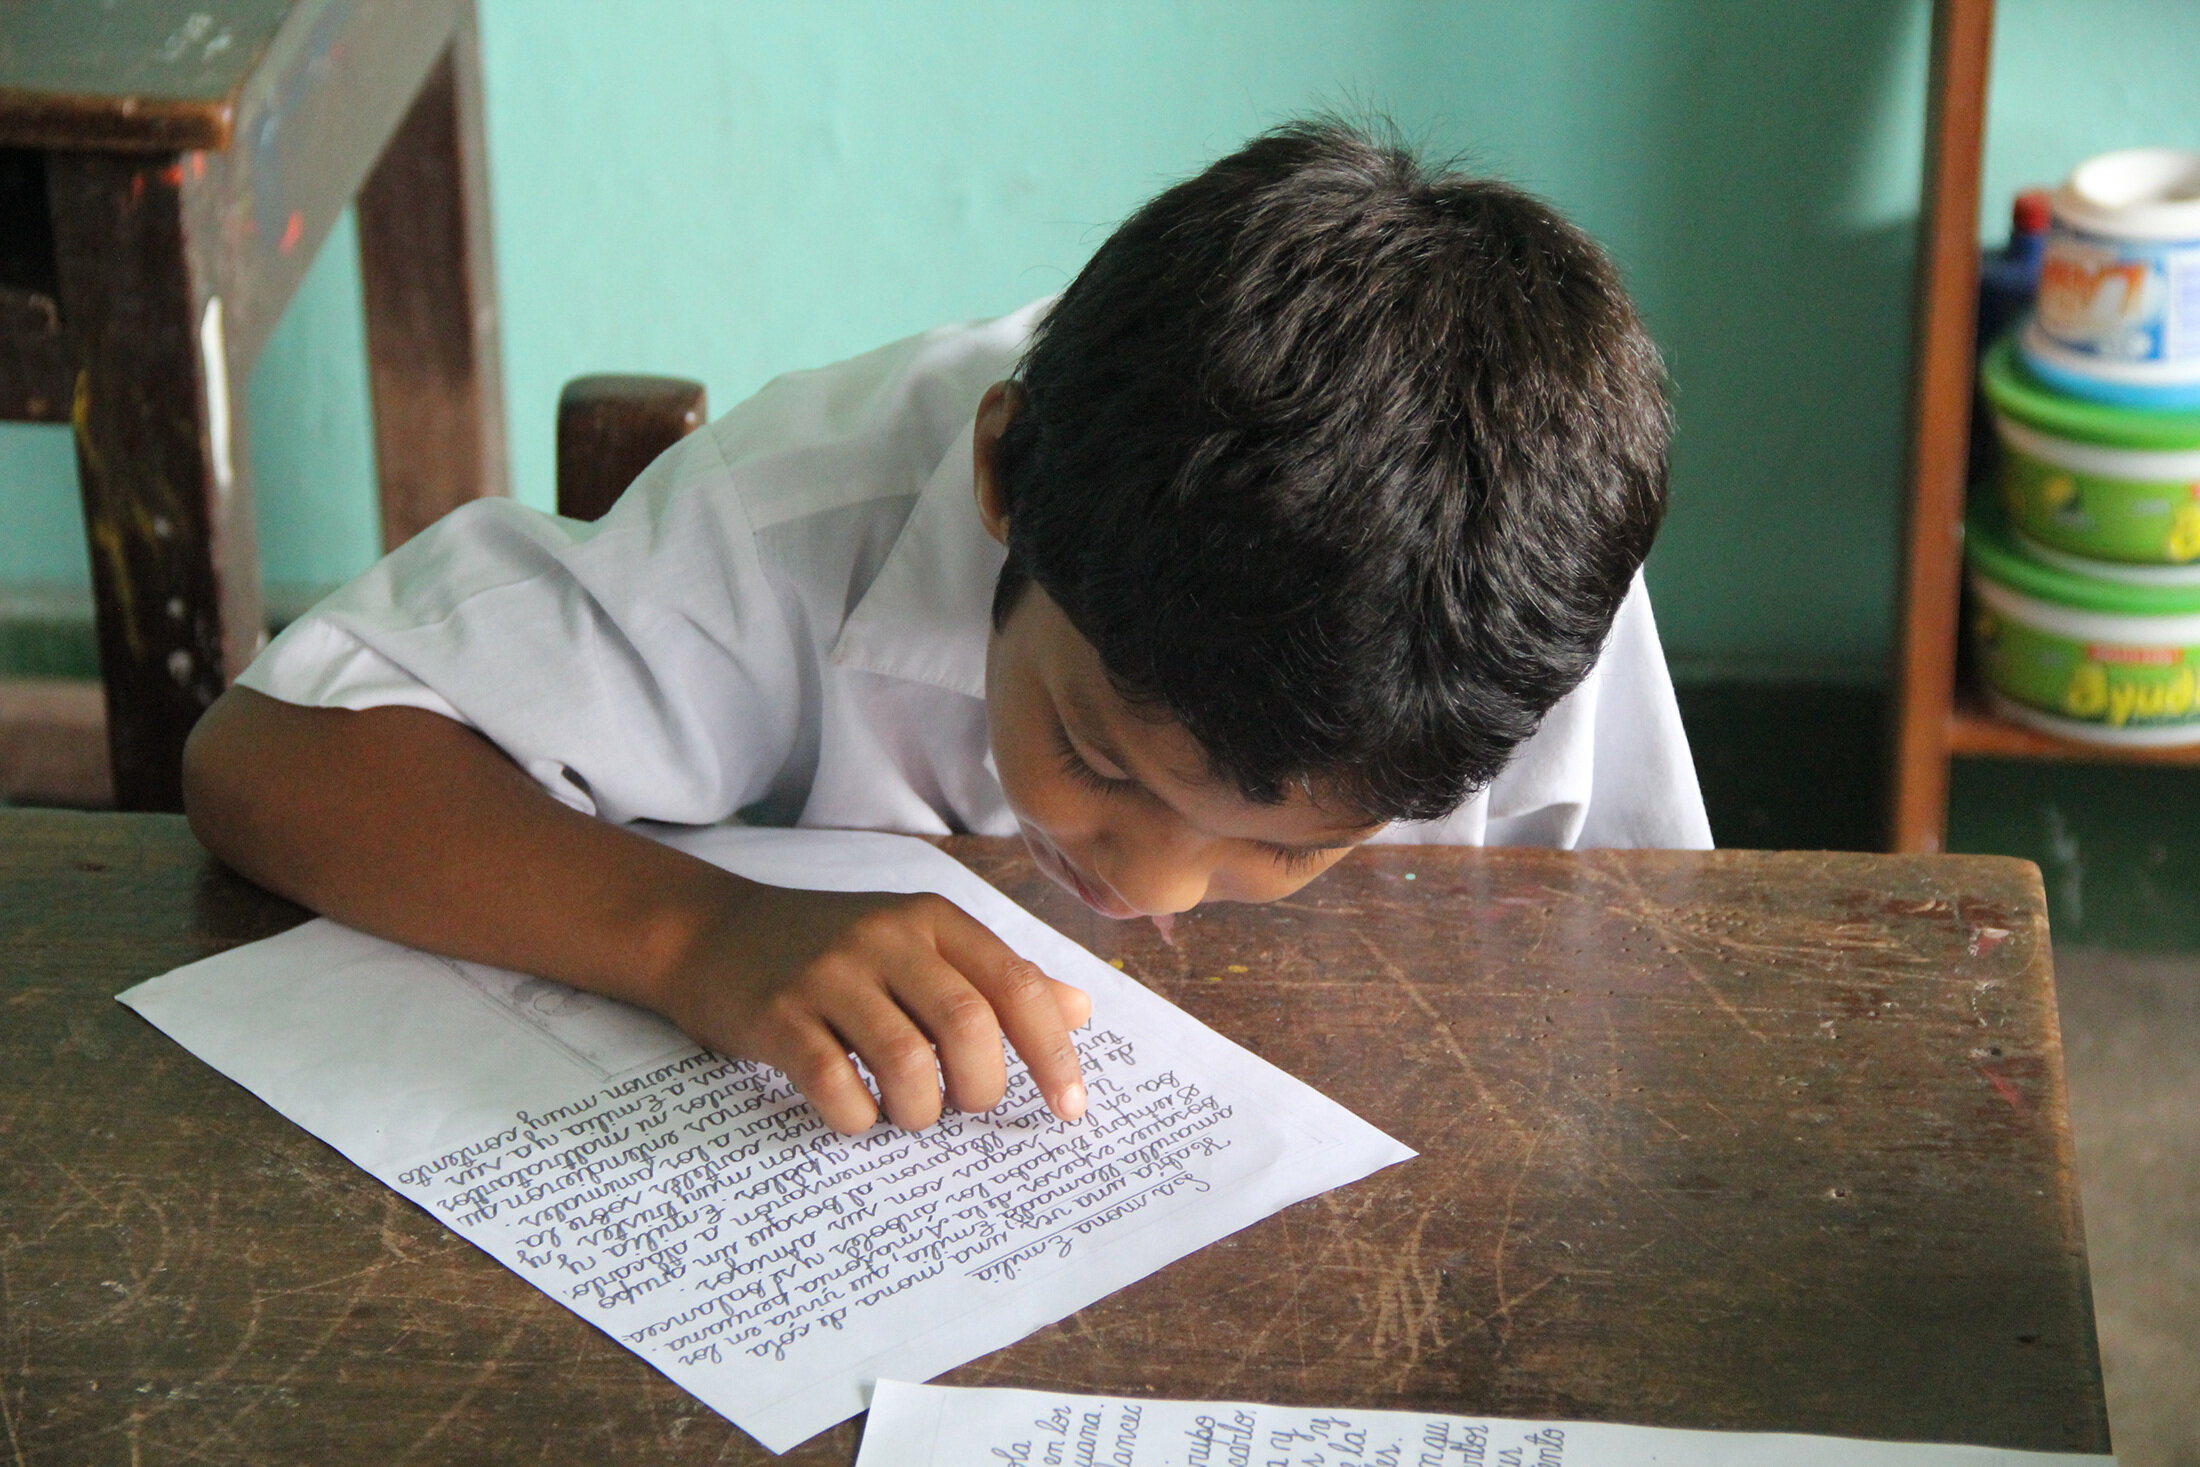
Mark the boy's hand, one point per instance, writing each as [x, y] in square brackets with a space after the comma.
[915, 986]
[405, 824]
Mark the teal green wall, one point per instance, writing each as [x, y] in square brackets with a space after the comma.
[2077, 77]
[728, 191]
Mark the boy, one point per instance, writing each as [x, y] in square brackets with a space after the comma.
[1300, 520]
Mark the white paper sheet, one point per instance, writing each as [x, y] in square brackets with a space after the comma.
[940, 1426]
[697, 1211]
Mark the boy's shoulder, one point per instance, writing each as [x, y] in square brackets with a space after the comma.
[875, 426]
[839, 495]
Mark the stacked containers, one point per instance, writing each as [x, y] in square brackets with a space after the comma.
[2086, 572]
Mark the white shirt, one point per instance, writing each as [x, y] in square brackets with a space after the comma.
[785, 618]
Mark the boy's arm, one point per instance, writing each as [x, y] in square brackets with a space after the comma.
[405, 824]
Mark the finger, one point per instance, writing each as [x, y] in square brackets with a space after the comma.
[963, 1031]
[1025, 1004]
[1075, 1004]
[815, 1060]
[899, 1055]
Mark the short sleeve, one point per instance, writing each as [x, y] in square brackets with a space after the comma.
[642, 667]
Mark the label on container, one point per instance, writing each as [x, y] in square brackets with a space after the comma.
[2112, 685]
[2121, 300]
[2091, 514]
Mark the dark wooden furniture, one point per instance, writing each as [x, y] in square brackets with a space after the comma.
[1941, 367]
[610, 427]
[1739, 1139]
[1936, 719]
[168, 169]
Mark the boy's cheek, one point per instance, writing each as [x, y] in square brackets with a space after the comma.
[1029, 798]
[1017, 751]
[1038, 790]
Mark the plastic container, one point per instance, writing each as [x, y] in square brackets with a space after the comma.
[2118, 317]
[2090, 479]
[2009, 278]
[2092, 659]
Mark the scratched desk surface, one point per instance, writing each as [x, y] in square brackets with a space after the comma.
[1740, 1140]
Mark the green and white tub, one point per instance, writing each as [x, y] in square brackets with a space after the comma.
[2089, 657]
[2094, 480]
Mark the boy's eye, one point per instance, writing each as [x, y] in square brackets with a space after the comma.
[1074, 765]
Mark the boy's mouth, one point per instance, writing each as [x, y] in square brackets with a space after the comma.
[1092, 891]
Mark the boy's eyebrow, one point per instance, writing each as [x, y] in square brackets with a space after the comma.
[1089, 722]
[1074, 701]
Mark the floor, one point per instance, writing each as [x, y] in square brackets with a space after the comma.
[2122, 867]
[53, 743]
[2131, 1046]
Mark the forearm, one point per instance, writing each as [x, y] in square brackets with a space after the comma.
[402, 823]
[405, 824]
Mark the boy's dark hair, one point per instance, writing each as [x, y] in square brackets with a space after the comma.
[1344, 464]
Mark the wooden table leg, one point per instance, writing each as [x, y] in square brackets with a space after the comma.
[158, 413]
[431, 310]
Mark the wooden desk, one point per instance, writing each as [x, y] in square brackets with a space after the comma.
[168, 169]
[1740, 1140]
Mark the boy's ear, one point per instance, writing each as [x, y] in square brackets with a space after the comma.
[995, 410]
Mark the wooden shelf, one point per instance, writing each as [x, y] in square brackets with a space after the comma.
[1942, 366]
[1938, 717]
[1974, 732]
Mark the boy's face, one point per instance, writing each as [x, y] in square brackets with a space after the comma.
[1116, 802]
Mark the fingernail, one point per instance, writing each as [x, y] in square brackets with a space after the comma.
[1071, 1106]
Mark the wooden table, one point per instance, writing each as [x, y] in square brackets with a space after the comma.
[1738, 1140]
[168, 169]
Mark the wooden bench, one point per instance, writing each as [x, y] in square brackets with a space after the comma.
[168, 169]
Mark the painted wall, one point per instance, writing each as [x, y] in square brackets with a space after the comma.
[728, 191]
[2077, 77]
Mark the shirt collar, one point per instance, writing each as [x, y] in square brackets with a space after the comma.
[929, 611]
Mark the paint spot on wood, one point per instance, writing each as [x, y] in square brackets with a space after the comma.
[2002, 1087]
[186, 37]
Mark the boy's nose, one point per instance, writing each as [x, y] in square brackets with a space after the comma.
[1159, 892]
[1159, 872]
